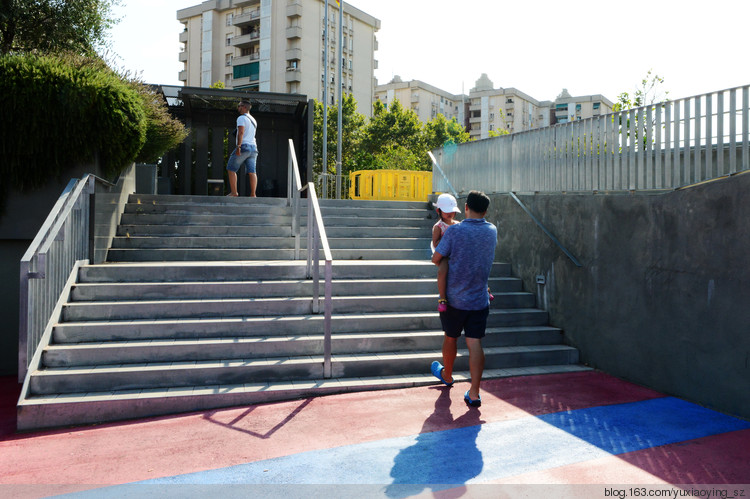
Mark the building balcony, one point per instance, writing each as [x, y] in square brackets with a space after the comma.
[478, 119]
[184, 37]
[292, 54]
[246, 19]
[244, 41]
[183, 57]
[245, 81]
[294, 9]
[293, 74]
[245, 59]
[294, 32]
[182, 76]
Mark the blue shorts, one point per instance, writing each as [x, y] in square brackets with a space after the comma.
[248, 158]
[472, 322]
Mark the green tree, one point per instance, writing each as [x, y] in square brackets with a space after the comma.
[398, 157]
[441, 132]
[78, 26]
[395, 126]
[352, 124]
[498, 133]
[648, 92]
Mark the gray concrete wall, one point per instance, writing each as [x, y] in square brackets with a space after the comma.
[662, 297]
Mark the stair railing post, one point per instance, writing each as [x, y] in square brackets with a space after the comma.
[327, 369]
[316, 268]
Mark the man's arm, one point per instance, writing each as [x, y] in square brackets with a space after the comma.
[240, 134]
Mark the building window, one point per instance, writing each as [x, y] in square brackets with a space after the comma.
[509, 100]
[596, 105]
[229, 40]
[229, 19]
[228, 59]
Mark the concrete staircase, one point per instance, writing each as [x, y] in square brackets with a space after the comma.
[201, 306]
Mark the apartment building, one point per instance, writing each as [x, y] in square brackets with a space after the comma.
[278, 46]
[495, 109]
[425, 100]
[567, 108]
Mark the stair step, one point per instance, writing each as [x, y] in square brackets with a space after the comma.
[237, 242]
[176, 350]
[246, 307]
[223, 254]
[253, 370]
[111, 291]
[91, 407]
[71, 332]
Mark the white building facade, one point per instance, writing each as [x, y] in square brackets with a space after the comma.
[425, 100]
[497, 109]
[278, 46]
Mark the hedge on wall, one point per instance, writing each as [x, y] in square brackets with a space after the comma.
[62, 111]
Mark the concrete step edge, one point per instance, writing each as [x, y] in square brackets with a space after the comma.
[88, 408]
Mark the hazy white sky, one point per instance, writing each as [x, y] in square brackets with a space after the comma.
[536, 46]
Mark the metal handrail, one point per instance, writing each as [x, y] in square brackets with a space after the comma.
[316, 237]
[440, 170]
[65, 240]
[544, 229]
[46, 266]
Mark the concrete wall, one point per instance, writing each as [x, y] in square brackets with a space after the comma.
[662, 297]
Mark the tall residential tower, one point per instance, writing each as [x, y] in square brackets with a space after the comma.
[278, 46]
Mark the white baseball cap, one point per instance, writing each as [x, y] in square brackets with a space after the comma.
[447, 204]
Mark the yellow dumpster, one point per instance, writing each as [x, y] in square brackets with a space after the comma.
[391, 185]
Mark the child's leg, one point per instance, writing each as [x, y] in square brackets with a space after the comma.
[442, 277]
[442, 282]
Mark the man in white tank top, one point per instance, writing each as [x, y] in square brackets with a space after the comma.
[245, 152]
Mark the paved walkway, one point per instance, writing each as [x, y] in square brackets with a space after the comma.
[599, 434]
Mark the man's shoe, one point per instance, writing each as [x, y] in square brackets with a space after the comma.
[437, 371]
[472, 403]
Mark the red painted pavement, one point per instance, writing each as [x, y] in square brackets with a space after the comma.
[166, 446]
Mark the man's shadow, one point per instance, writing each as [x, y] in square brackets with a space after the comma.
[441, 458]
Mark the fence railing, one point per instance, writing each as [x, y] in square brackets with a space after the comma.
[661, 146]
[66, 238]
[316, 238]
[326, 185]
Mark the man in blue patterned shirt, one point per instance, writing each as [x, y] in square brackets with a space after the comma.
[470, 247]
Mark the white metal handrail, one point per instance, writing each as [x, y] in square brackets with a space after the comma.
[662, 146]
[442, 174]
[316, 238]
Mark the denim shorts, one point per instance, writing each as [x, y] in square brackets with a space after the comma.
[248, 158]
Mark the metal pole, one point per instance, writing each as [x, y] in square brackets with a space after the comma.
[325, 90]
[340, 92]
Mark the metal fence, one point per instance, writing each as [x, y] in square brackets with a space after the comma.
[69, 235]
[661, 146]
[325, 184]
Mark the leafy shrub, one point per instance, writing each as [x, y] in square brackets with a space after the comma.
[62, 111]
[163, 132]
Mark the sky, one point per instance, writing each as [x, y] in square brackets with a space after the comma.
[536, 46]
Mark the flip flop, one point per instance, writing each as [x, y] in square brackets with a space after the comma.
[472, 403]
[437, 371]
